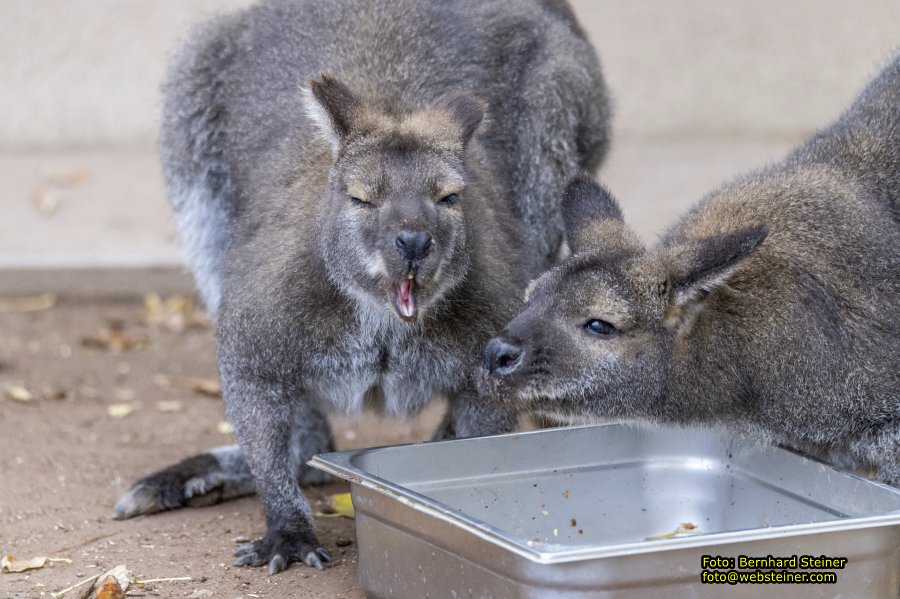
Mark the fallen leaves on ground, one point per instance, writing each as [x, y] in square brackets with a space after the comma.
[19, 393]
[110, 589]
[112, 584]
[168, 406]
[339, 505]
[120, 410]
[114, 338]
[69, 178]
[46, 197]
[202, 386]
[32, 303]
[176, 313]
[10, 565]
[685, 528]
[54, 392]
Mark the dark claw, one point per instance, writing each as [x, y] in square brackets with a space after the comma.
[277, 564]
[313, 561]
[250, 559]
[243, 549]
[323, 553]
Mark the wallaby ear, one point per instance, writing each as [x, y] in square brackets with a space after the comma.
[702, 266]
[467, 111]
[332, 107]
[585, 202]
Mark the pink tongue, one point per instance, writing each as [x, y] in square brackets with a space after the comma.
[407, 298]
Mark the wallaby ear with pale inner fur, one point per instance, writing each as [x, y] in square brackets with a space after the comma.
[466, 110]
[332, 107]
[699, 267]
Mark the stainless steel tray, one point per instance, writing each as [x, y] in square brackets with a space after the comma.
[567, 513]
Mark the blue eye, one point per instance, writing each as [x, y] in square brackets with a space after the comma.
[450, 200]
[599, 327]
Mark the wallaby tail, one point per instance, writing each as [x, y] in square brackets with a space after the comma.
[204, 479]
[192, 146]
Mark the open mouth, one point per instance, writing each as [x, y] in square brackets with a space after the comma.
[405, 299]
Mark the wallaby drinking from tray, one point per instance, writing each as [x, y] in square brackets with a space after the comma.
[364, 189]
[773, 306]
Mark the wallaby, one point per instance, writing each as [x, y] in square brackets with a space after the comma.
[772, 307]
[364, 189]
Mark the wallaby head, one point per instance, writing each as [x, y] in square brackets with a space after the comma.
[598, 332]
[394, 217]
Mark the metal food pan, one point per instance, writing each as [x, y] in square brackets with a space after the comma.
[569, 513]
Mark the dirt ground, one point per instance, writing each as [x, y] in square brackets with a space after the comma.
[65, 459]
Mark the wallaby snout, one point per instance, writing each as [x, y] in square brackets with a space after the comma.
[502, 357]
[413, 246]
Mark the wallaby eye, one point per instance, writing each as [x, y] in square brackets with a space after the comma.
[599, 327]
[361, 202]
[450, 200]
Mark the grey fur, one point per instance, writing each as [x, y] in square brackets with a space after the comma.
[772, 307]
[300, 139]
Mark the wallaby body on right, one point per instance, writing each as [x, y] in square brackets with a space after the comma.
[772, 307]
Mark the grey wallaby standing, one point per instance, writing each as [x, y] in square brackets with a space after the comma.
[359, 242]
[772, 307]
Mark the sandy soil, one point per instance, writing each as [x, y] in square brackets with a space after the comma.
[64, 459]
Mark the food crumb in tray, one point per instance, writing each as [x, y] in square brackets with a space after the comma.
[685, 528]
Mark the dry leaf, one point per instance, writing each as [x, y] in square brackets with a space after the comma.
[339, 505]
[176, 313]
[18, 393]
[208, 387]
[9, 564]
[119, 577]
[120, 410]
[685, 528]
[110, 589]
[114, 339]
[45, 200]
[225, 427]
[69, 178]
[54, 392]
[168, 406]
[34, 303]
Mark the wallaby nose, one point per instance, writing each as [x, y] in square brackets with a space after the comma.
[502, 357]
[413, 245]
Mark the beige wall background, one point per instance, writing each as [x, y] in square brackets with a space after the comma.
[702, 89]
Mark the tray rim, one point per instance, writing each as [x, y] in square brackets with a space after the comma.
[340, 465]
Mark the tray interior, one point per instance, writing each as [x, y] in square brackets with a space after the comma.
[601, 486]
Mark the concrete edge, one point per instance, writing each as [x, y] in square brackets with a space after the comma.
[94, 282]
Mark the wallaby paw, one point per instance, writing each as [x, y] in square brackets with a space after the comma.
[278, 549]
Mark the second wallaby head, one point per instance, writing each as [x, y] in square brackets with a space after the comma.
[395, 212]
[598, 332]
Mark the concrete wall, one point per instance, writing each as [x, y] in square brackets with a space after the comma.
[86, 72]
[702, 89]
